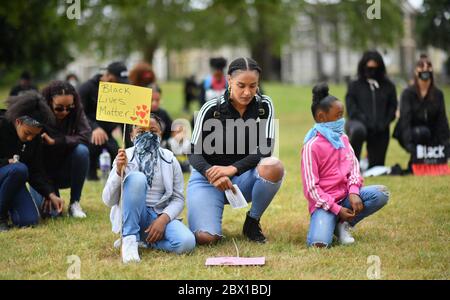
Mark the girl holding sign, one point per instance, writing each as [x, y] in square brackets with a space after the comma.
[222, 159]
[66, 153]
[21, 161]
[152, 196]
[332, 182]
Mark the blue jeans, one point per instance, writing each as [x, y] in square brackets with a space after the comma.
[323, 223]
[72, 174]
[14, 196]
[206, 203]
[137, 217]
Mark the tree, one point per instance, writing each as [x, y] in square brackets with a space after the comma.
[34, 36]
[119, 27]
[350, 25]
[122, 26]
[261, 25]
[433, 24]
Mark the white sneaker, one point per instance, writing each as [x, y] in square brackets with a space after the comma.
[76, 211]
[118, 243]
[343, 233]
[130, 250]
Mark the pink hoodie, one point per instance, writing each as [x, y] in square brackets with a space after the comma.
[329, 174]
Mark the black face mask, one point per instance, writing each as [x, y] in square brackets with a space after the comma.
[425, 76]
[371, 72]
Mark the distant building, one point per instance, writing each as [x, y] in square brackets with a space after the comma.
[300, 62]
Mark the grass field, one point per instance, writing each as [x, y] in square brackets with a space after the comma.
[411, 235]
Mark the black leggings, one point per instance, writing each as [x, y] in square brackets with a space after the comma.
[377, 143]
[420, 135]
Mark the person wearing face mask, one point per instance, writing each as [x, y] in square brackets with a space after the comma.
[331, 178]
[423, 119]
[21, 161]
[371, 103]
[221, 158]
[152, 197]
[66, 153]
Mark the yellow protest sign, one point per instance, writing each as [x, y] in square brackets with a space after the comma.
[124, 103]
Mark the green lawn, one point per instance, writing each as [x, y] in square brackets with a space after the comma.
[410, 235]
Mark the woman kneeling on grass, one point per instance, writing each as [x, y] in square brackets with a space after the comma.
[332, 182]
[21, 161]
[66, 153]
[152, 196]
[223, 156]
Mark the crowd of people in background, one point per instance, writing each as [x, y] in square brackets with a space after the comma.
[52, 140]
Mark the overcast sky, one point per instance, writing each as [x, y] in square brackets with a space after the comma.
[416, 3]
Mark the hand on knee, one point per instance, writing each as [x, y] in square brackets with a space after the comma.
[271, 169]
[204, 238]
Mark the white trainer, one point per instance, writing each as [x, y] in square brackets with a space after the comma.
[343, 233]
[76, 211]
[130, 250]
[118, 243]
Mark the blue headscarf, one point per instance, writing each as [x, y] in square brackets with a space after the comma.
[146, 146]
[332, 131]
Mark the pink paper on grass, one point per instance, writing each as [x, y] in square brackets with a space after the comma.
[235, 261]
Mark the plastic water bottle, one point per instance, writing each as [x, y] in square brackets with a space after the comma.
[105, 164]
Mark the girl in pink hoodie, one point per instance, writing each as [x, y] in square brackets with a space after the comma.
[331, 178]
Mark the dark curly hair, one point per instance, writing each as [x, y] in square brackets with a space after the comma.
[31, 107]
[218, 63]
[59, 88]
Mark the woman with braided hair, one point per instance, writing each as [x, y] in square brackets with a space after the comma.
[222, 159]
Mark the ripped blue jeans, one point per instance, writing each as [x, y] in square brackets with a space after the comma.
[205, 203]
[323, 223]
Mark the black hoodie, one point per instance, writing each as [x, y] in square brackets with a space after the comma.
[429, 112]
[31, 154]
[68, 133]
[375, 109]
